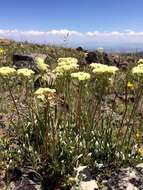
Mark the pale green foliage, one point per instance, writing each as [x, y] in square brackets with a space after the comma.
[84, 124]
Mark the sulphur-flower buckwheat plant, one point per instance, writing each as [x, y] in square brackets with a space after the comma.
[45, 93]
[25, 73]
[41, 65]
[7, 72]
[140, 61]
[100, 69]
[138, 71]
[66, 66]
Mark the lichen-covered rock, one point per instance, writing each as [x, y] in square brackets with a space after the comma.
[27, 60]
[22, 179]
[125, 179]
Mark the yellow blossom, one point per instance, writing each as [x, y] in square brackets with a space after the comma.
[41, 65]
[140, 61]
[97, 65]
[1, 51]
[67, 60]
[130, 85]
[104, 69]
[81, 76]
[26, 73]
[140, 150]
[7, 71]
[137, 136]
[45, 93]
[66, 66]
[138, 70]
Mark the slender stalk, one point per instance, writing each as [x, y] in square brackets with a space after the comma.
[132, 116]
[13, 100]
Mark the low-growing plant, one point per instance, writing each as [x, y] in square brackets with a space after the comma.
[83, 117]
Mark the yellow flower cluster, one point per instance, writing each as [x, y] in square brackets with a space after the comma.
[130, 85]
[140, 150]
[81, 76]
[7, 72]
[138, 70]
[25, 73]
[140, 61]
[103, 69]
[96, 65]
[41, 65]
[45, 93]
[67, 61]
[66, 66]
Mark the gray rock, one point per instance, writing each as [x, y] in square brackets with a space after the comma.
[84, 180]
[88, 185]
[125, 179]
[139, 168]
[24, 184]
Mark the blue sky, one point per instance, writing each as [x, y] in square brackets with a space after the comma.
[102, 22]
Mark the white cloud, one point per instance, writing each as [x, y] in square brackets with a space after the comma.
[76, 38]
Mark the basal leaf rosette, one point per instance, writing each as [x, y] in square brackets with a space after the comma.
[66, 66]
[81, 76]
[44, 94]
[25, 73]
[7, 72]
[42, 66]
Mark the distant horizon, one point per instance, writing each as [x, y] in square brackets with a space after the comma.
[38, 37]
[112, 24]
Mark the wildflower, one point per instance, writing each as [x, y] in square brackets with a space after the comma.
[137, 136]
[140, 150]
[140, 61]
[7, 71]
[41, 65]
[1, 51]
[104, 69]
[97, 65]
[30, 148]
[26, 73]
[19, 151]
[66, 66]
[67, 60]
[81, 76]
[45, 93]
[130, 85]
[138, 71]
